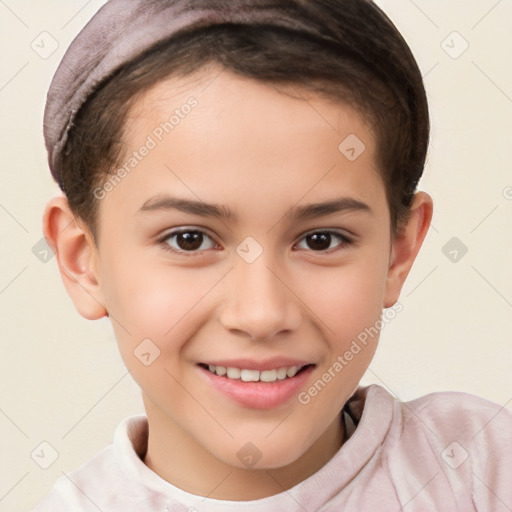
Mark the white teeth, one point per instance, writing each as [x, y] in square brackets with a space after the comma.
[268, 375]
[254, 375]
[281, 373]
[291, 371]
[219, 370]
[234, 373]
[250, 375]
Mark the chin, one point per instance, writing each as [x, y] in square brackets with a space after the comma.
[260, 456]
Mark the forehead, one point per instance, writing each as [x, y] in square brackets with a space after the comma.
[214, 132]
[222, 95]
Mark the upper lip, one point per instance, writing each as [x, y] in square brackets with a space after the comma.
[266, 364]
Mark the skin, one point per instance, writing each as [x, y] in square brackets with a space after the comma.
[259, 151]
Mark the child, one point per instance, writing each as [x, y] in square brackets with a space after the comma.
[240, 199]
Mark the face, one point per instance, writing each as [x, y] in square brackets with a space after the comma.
[244, 237]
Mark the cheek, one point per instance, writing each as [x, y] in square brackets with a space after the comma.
[155, 302]
[157, 311]
[346, 299]
[348, 303]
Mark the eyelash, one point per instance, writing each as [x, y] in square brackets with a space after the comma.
[343, 239]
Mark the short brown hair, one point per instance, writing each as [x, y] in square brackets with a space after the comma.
[359, 57]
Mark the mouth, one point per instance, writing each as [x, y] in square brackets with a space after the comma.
[252, 388]
[251, 375]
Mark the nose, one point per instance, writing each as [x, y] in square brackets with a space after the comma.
[259, 303]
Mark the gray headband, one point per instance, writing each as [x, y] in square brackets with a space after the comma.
[124, 29]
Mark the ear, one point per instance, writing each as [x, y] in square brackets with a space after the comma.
[77, 258]
[406, 245]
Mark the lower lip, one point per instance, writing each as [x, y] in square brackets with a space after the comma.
[259, 395]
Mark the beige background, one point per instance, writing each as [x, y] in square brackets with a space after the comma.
[62, 380]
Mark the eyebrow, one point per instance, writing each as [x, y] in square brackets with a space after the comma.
[159, 203]
[340, 205]
[308, 211]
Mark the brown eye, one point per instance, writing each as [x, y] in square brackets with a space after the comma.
[319, 241]
[324, 240]
[188, 241]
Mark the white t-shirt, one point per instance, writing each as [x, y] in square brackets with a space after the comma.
[444, 452]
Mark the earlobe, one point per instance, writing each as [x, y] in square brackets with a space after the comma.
[406, 245]
[76, 255]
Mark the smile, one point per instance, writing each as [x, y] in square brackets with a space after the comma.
[248, 375]
[257, 389]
